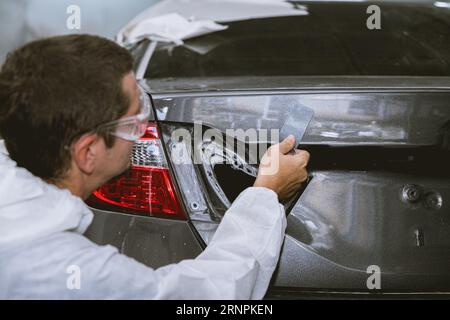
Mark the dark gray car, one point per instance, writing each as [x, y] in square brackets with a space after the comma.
[378, 199]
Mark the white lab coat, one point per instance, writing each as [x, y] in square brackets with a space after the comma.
[43, 253]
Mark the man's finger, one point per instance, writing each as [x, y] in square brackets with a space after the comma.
[303, 155]
[287, 144]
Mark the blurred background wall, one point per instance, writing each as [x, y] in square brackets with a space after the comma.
[25, 20]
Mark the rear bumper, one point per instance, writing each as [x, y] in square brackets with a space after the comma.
[152, 241]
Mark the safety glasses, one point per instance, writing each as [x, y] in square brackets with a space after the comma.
[134, 127]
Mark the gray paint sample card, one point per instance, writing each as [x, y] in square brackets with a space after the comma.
[297, 123]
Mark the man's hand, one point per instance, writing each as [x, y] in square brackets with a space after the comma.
[283, 172]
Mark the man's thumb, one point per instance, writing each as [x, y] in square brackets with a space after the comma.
[287, 144]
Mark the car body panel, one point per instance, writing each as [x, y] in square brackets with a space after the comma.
[152, 241]
[347, 218]
[363, 118]
[211, 85]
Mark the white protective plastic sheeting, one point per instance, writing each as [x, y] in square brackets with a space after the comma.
[177, 20]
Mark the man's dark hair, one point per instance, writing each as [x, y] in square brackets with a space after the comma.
[54, 90]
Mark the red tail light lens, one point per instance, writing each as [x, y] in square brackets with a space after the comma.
[147, 187]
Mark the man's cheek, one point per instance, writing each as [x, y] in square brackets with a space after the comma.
[127, 159]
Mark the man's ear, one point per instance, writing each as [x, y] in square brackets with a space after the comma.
[85, 152]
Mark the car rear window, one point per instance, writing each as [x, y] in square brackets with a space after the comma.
[332, 39]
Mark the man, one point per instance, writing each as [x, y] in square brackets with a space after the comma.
[57, 97]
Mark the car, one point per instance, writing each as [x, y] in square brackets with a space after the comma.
[373, 219]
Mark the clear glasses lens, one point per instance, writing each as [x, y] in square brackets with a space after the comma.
[133, 128]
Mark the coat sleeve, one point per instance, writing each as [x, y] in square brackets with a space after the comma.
[237, 264]
[247, 244]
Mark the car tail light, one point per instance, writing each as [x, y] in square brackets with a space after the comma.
[147, 187]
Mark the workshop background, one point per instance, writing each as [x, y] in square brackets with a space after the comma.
[24, 20]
